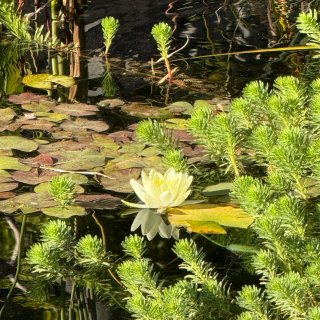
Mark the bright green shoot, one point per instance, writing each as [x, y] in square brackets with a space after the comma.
[162, 33]
[62, 189]
[110, 26]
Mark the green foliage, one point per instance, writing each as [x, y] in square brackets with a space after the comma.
[62, 189]
[156, 134]
[110, 27]
[162, 34]
[199, 296]
[58, 257]
[308, 23]
[19, 26]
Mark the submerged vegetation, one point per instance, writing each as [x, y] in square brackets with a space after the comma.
[232, 189]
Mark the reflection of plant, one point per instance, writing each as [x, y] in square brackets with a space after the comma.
[199, 296]
[62, 189]
[154, 133]
[109, 85]
[110, 26]
[162, 33]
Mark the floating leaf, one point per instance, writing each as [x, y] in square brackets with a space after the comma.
[64, 212]
[120, 179]
[17, 143]
[7, 114]
[132, 147]
[8, 186]
[34, 176]
[219, 189]
[77, 109]
[10, 163]
[180, 107]
[146, 111]
[78, 160]
[39, 106]
[52, 116]
[45, 81]
[204, 218]
[40, 160]
[83, 124]
[98, 201]
[26, 97]
[111, 103]
[241, 248]
[7, 195]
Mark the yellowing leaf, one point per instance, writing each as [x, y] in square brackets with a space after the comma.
[209, 218]
[45, 81]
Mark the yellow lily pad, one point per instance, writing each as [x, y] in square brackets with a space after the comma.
[17, 143]
[209, 218]
[45, 81]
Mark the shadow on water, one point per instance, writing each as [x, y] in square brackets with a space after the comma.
[211, 27]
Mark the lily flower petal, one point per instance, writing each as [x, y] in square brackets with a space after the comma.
[134, 205]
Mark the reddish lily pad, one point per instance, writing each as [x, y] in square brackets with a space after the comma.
[17, 143]
[8, 186]
[34, 176]
[98, 201]
[26, 97]
[111, 103]
[83, 124]
[120, 179]
[146, 111]
[77, 110]
[7, 195]
[35, 124]
[62, 145]
[41, 160]
[121, 136]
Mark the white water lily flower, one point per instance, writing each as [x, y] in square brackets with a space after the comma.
[159, 192]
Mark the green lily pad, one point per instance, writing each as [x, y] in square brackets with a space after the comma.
[39, 106]
[176, 123]
[52, 116]
[17, 143]
[180, 107]
[10, 163]
[149, 151]
[78, 160]
[219, 189]
[106, 145]
[45, 81]
[64, 212]
[133, 147]
[146, 111]
[7, 114]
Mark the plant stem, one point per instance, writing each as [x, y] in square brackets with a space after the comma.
[15, 280]
[170, 78]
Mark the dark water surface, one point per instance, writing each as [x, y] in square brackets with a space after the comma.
[212, 27]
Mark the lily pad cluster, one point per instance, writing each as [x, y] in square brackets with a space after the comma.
[41, 139]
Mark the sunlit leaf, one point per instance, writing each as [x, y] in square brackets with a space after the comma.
[45, 81]
[10, 163]
[64, 212]
[17, 143]
[204, 218]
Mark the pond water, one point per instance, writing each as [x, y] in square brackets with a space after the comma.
[209, 28]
